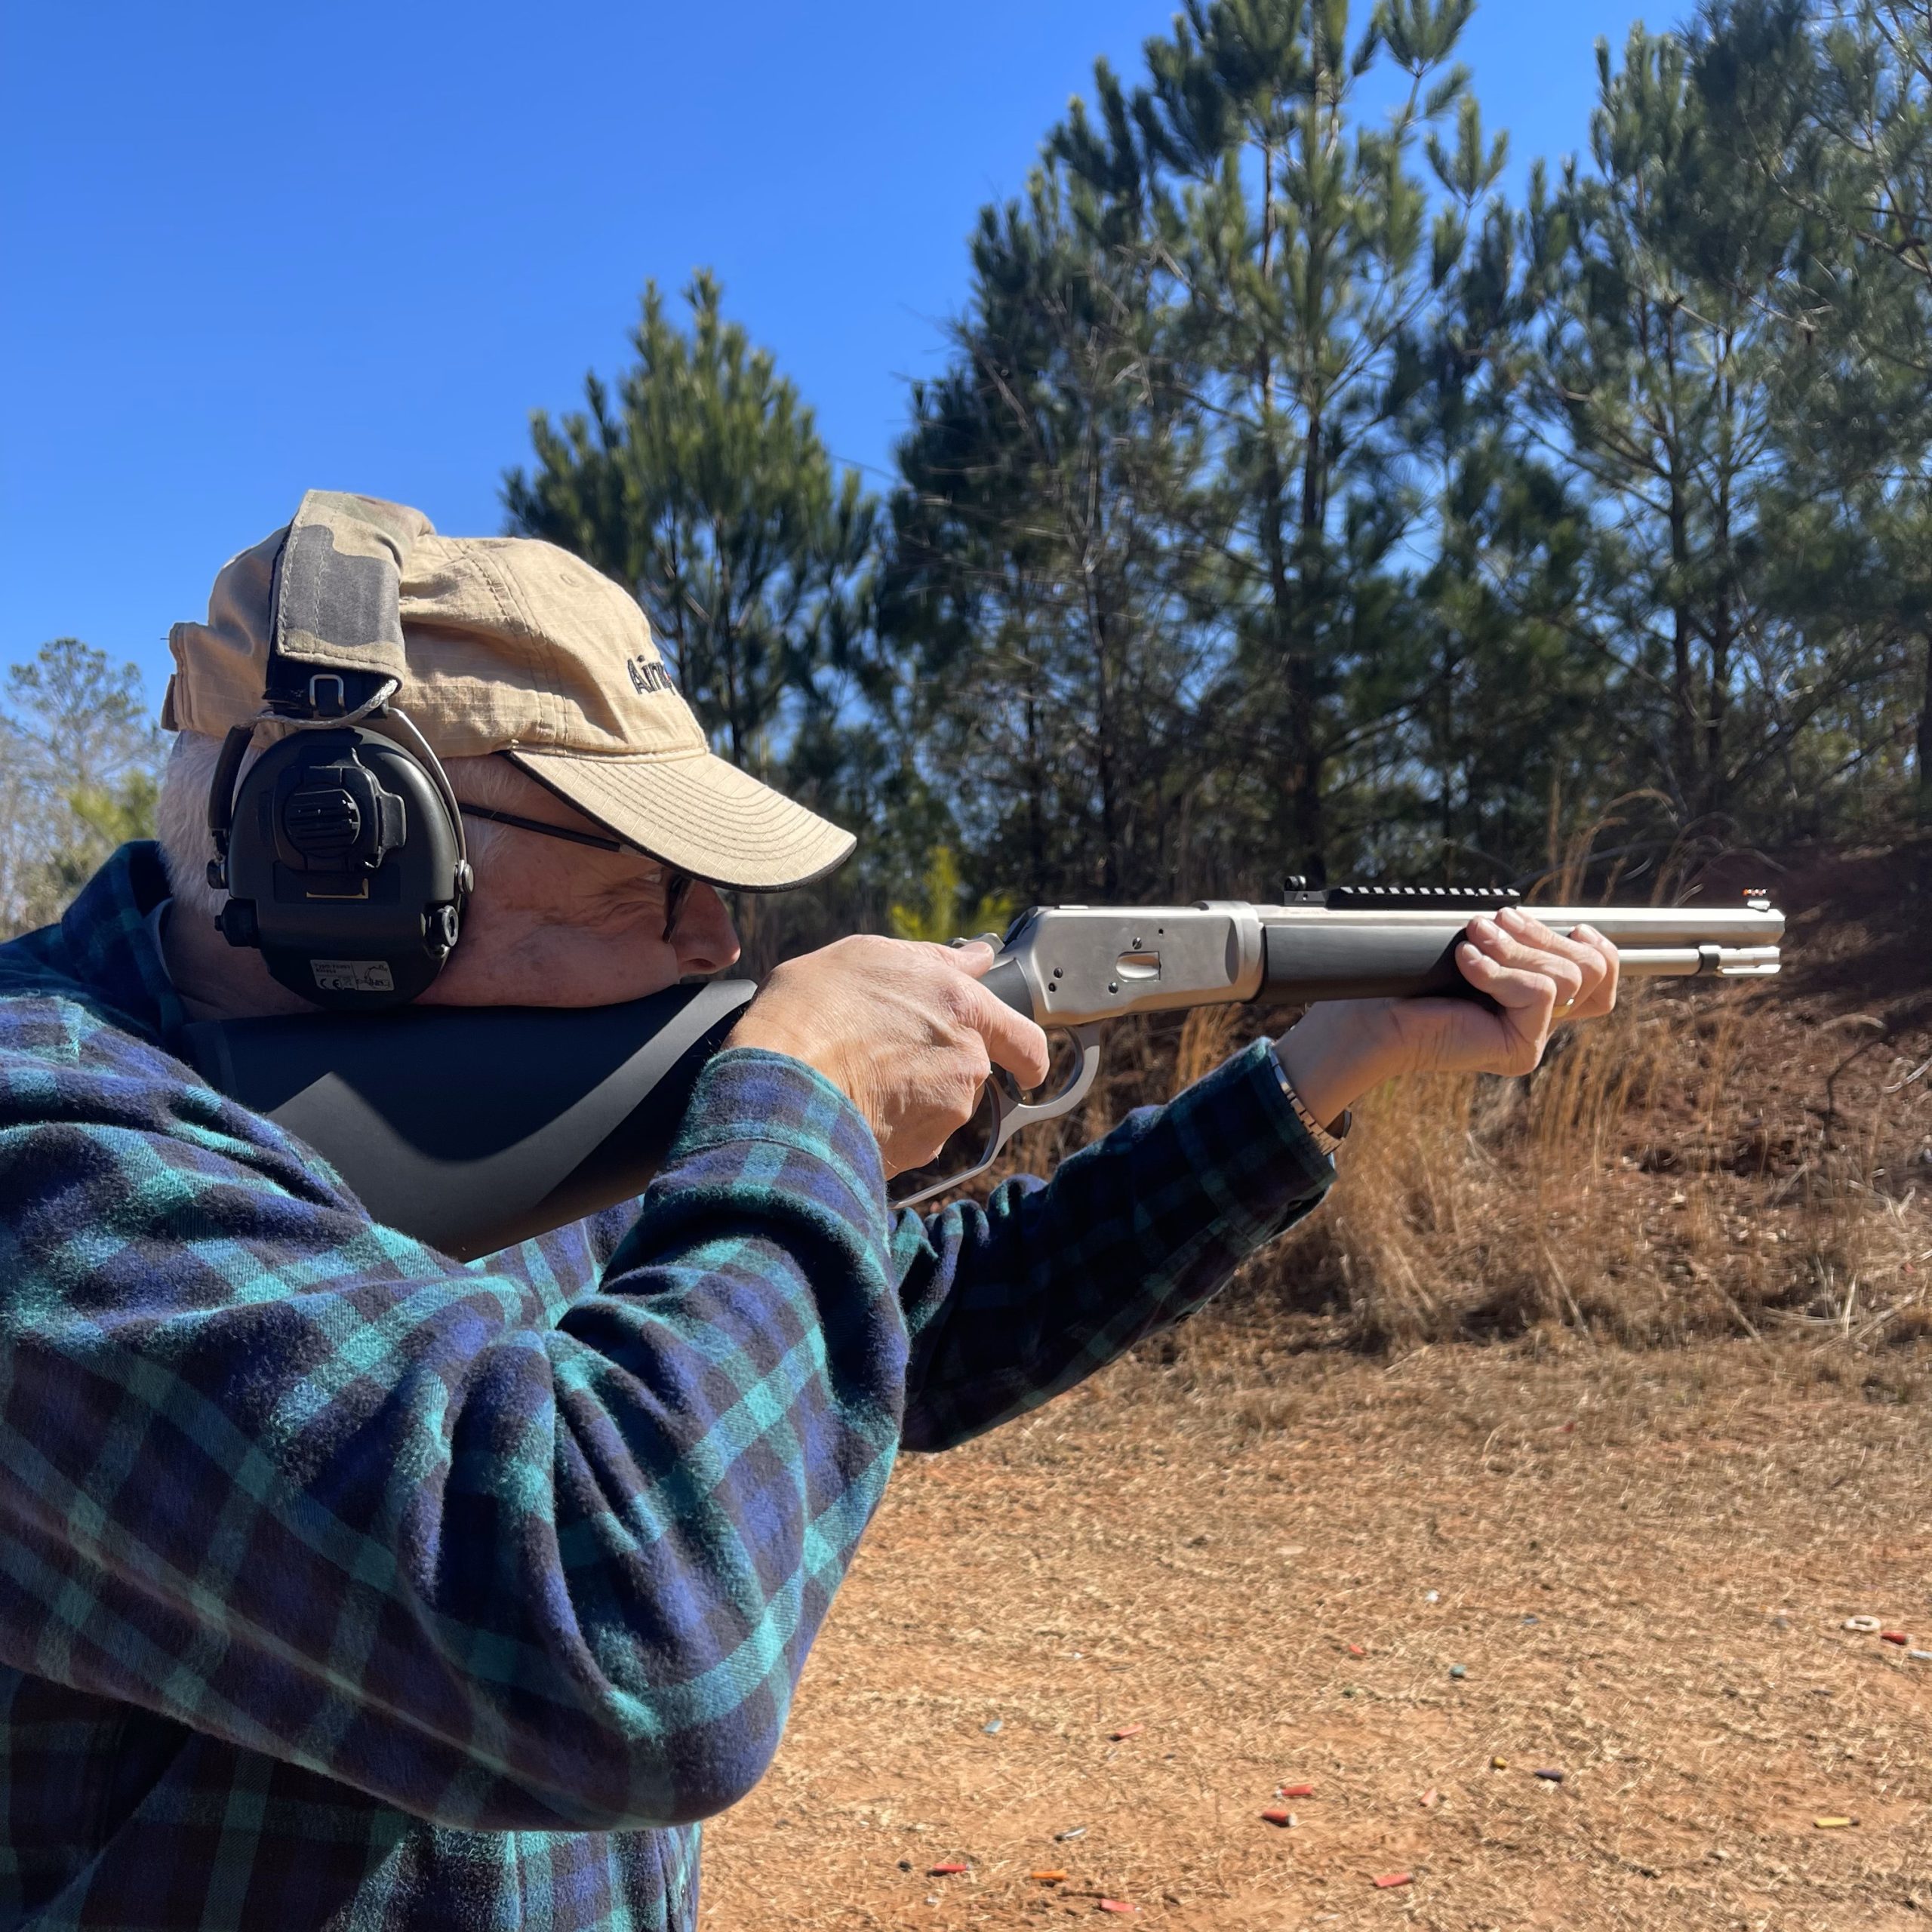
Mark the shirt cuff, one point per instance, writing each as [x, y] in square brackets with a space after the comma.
[1258, 1165]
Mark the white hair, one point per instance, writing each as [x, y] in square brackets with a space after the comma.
[181, 822]
[181, 812]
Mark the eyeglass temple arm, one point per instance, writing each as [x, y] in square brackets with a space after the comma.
[677, 884]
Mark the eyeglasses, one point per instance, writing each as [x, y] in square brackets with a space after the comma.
[677, 884]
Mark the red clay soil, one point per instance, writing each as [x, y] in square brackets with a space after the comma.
[1642, 1563]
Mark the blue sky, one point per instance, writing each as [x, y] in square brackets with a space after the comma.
[254, 249]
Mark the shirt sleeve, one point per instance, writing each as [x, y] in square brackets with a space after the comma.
[1010, 1304]
[296, 1481]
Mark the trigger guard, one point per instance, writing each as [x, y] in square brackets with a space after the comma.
[1011, 1112]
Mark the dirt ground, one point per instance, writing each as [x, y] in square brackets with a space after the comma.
[1641, 1562]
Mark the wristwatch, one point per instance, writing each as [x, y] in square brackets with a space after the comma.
[1327, 1139]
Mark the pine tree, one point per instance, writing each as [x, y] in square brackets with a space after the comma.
[1036, 575]
[1508, 700]
[703, 488]
[1297, 242]
[1828, 110]
[1672, 383]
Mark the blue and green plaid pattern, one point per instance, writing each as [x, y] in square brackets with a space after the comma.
[343, 1585]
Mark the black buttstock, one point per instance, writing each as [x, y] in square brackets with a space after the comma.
[473, 1127]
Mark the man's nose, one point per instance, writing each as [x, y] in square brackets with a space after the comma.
[704, 935]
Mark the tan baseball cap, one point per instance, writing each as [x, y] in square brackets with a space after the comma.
[501, 644]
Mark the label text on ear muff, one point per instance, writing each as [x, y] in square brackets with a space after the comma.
[353, 976]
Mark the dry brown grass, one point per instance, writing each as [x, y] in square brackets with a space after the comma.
[1646, 1187]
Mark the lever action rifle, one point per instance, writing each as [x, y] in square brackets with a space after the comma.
[473, 1127]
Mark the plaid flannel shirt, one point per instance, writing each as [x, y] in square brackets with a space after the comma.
[343, 1585]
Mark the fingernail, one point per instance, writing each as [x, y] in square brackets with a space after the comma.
[1484, 928]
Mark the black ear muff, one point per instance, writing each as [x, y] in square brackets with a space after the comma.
[342, 851]
[342, 864]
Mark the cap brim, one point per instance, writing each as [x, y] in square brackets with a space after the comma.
[698, 814]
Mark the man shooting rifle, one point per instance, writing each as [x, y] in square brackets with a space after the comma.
[344, 1583]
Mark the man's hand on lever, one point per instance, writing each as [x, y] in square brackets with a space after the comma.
[1340, 1050]
[904, 1029]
